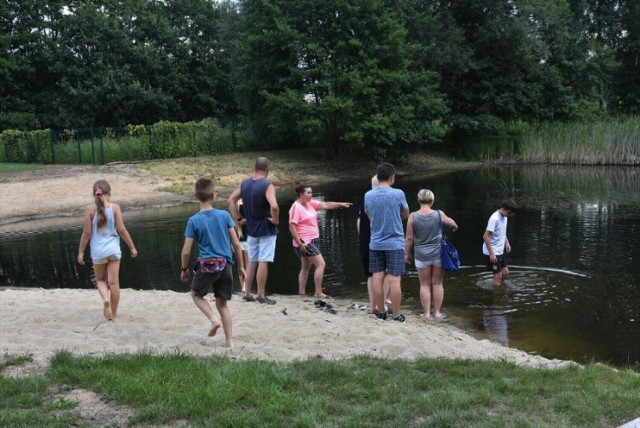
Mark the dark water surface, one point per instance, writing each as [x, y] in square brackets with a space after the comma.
[574, 292]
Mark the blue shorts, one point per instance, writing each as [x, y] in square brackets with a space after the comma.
[502, 263]
[104, 260]
[391, 261]
[261, 249]
[221, 283]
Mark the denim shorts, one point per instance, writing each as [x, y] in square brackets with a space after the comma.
[261, 249]
[391, 261]
[104, 260]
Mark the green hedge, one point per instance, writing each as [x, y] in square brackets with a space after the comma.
[161, 140]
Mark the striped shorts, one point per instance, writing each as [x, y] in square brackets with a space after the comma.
[313, 249]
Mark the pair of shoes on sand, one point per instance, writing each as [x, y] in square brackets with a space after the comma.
[322, 304]
[264, 300]
[385, 315]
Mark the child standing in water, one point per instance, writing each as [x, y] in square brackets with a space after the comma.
[214, 232]
[103, 228]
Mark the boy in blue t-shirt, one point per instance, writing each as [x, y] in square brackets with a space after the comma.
[214, 232]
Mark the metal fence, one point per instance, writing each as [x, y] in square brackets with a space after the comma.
[103, 145]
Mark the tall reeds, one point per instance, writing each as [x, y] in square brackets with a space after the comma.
[611, 142]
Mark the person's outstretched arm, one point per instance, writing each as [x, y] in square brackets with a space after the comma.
[448, 221]
[334, 205]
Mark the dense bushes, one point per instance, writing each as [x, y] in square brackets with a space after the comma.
[102, 145]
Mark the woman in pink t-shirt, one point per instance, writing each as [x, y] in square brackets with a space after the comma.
[303, 225]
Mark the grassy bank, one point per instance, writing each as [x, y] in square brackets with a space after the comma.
[611, 142]
[179, 389]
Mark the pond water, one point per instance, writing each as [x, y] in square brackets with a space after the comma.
[574, 290]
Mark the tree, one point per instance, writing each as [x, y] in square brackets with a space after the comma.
[335, 73]
[515, 52]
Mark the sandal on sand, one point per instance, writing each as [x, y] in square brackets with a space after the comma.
[248, 298]
[399, 318]
[265, 300]
[382, 316]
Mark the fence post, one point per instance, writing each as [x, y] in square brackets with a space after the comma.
[79, 148]
[93, 149]
[52, 137]
[234, 141]
[102, 145]
[149, 132]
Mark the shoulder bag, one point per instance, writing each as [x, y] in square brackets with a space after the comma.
[448, 253]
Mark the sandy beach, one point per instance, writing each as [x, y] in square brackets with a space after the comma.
[40, 322]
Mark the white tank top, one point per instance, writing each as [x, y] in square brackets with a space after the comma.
[105, 242]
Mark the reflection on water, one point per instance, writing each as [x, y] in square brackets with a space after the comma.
[573, 291]
[495, 317]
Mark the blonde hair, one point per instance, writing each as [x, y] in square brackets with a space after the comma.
[426, 196]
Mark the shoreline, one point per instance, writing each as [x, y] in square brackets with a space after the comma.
[41, 322]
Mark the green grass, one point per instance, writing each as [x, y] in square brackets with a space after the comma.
[362, 391]
[18, 167]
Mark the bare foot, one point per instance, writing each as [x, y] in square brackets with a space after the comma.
[437, 315]
[228, 343]
[425, 317]
[214, 328]
[107, 311]
[321, 296]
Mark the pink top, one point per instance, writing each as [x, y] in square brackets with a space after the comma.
[306, 220]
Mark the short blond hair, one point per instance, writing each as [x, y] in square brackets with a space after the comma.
[426, 196]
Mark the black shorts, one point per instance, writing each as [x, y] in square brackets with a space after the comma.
[496, 268]
[221, 283]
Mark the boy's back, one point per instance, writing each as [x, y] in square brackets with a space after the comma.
[210, 230]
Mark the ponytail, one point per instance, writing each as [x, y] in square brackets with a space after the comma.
[101, 188]
[102, 217]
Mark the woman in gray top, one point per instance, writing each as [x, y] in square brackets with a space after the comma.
[424, 237]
